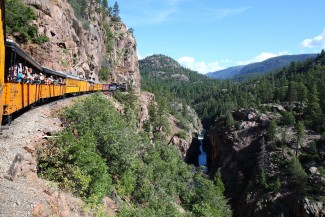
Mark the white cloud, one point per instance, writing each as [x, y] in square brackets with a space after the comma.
[318, 41]
[261, 57]
[200, 66]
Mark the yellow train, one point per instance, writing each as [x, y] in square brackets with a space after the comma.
[24, 82]
[2, 52]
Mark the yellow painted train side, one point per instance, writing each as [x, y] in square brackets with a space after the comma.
[2, 54]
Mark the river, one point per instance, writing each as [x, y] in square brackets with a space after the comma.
[202, 155]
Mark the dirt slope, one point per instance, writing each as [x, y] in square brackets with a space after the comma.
[26, 194]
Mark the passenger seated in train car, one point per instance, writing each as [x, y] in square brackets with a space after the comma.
[30, 77]
[37, 79]
[42, 78]
[20, 72]
[51, 79]
[24, 76]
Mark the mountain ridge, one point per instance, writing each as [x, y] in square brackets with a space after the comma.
[244, 72]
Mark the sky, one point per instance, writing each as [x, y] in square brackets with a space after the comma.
[210, 35]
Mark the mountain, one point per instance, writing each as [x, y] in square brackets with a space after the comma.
[163, 76]
[245, 72]
[166, 68]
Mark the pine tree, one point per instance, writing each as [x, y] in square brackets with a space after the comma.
[300, 133]
[104, 4]
[298, 175]
[116, 10]
[271, 131]
[313, 110]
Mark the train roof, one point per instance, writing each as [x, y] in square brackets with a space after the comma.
[75, 77]
[61, 74]
[53, 72]
[95, 82]
[11, 44]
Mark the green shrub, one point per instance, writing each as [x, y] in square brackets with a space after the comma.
[86, 25]
[103, 74]
[76, 166]
[18, 21]
[41, 39]
[182, 134]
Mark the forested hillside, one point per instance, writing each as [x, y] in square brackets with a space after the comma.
[267, 134]
[297, 82]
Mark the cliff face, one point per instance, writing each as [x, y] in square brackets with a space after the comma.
[255, 170]
[78, 47]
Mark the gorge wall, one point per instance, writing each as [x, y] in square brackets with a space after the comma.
[255, 171]
[80, 47]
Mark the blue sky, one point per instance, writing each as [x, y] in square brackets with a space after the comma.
[209, 35]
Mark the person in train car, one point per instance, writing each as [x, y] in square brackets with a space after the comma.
[24, 76]
[41, 78]
[59, 80]
[30, 77]
[37, 78]
[19, 75]
[19, 72]
[51, 79]
[47, 80]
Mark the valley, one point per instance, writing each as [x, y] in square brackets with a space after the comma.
[245, 141]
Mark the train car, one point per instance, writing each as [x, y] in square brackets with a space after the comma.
[2, 53]
[105, 87]
[91, 85]
[84, 85]
[97, 86]
[56, 87]
[72, 84]
[18, 92]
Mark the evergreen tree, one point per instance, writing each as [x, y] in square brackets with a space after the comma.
[229, 120]
[116, 10]
[313, 110]
[288, 118]
[271, 131]
[298, 175]
[300, 133]
[104, 4]
[284, 141]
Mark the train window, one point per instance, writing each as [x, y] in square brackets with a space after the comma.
[10, 65]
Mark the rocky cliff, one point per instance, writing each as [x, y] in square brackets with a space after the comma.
[257, 172]
[80, 46]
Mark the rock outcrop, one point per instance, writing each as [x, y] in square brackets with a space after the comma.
[254, 169]
[78, 46]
